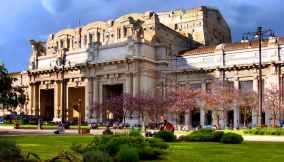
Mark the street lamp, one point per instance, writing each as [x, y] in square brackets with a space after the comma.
[259, 35]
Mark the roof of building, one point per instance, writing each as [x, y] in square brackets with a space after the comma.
[228, 47]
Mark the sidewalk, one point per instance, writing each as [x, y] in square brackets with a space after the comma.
[264, 138]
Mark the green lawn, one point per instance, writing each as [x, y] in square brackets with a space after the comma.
[48, 146]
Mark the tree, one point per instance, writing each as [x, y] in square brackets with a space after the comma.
[272, 103]
[112, 107]
[221, 97]
[248, 102]
[9, 97]
[183, 99]
[156, 107]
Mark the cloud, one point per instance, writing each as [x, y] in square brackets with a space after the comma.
[56, 6]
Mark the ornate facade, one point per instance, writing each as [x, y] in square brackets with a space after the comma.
[78, 67]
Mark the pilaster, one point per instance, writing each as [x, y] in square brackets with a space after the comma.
[57, 101]
[88, 98]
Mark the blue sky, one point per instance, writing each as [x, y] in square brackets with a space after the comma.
[22, 20]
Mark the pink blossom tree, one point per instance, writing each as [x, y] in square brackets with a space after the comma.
[183, 99]
[248, 102]
[272, 103]
[221, 97]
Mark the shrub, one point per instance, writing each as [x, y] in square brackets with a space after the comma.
[265, 131]
[217, 135]
[150, 148]
[9, 152]
[96, 156]
[149, 153]
[107, 131]
[157, 143]
[127, 154]
[204, 135]
[114, 143]
[135, 132]
[166, 136]
[77, 147]
[232, 138]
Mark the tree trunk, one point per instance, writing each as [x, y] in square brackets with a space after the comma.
[245, 119]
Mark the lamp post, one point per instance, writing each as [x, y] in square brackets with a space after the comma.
[61, 62]
[259, 35]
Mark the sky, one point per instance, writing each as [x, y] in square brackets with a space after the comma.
[22, 20]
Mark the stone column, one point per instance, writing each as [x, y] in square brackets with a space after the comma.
[202, 107]
[136, 90]
[267, 119]
[222, 120]
[236, 108]
[31, 99]
[36, 99]
[88, 98]
[214, 118]
[96, 100]
[57, 101]
[136, 83]
[254, 111]
[188, 120]
[129, 83]
[129, 90]
[68, 107]
[202, 117]
[236, 117]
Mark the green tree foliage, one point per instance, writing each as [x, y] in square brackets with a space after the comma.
[9, 97]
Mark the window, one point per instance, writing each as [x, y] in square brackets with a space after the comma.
[195, 86]
[85, 40]
[68, 43]
[98, 37]
[124, 31]
[208, 87]
[103, 35]
[118, 33]
[176, 26]
[90, 39]
[61, 44]
[246, 85]
[72, 42]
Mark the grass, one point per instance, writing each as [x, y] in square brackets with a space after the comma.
[217, 152]
[48, 146]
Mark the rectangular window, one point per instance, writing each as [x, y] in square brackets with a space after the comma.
[124, 31]
[118, 33]
[208, 87]
[246, 85]
[98, 37]
[85, 40]
[90, 39]
[61, 44]
[196, 86]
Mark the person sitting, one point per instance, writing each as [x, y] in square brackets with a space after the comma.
[167, 126]
[60, 128]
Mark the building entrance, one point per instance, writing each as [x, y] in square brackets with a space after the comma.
[76, 104]
[114, 114]
[47, 104]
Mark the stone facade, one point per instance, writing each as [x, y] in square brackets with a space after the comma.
[203, 25]
[75, 68]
